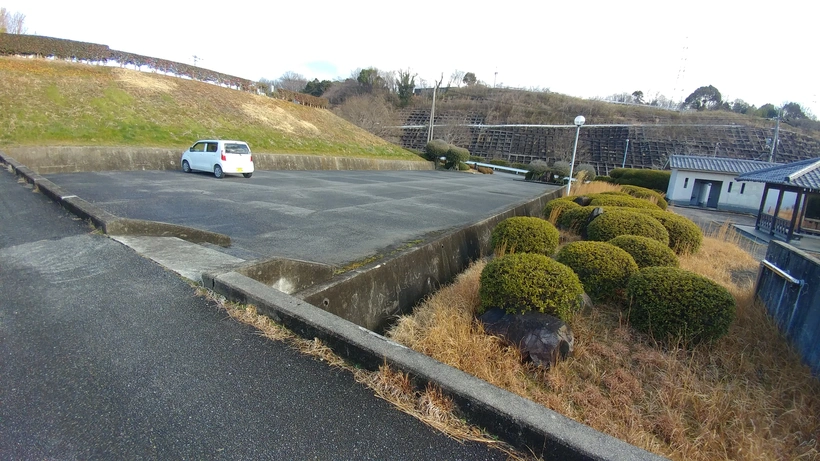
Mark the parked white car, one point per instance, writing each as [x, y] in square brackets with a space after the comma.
[219, 157]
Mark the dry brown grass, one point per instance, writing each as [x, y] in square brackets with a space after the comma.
[746, 396]
[429, 405]
[593, 187]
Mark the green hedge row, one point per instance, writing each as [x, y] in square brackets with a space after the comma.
[650, 179]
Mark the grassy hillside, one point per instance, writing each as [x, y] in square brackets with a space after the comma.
[46, 102]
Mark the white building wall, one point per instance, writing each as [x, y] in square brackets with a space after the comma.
[747, 201]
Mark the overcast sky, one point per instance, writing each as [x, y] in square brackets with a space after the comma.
[759, 52]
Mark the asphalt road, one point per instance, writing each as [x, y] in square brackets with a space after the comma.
[106, 355]
[331, 217]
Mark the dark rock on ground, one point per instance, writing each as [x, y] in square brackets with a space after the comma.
[541, 338]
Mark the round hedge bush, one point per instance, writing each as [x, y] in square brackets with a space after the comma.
[558, 206]
[645, 251]
[615, 222]
[522, 234]
[522, 282]
[575, 219]
[685, 237]
[646, 194]
[671, 303]
[603, 269]
[621, 200]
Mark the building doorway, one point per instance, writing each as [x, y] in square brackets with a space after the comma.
[705, 193]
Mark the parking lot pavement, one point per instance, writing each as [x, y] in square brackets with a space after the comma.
[106, 355]
[331, 217]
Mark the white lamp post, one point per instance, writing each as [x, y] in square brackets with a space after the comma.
[579, 120]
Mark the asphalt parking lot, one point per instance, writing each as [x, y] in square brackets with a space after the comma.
[332, 217]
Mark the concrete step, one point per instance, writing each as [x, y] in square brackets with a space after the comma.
[187, 259]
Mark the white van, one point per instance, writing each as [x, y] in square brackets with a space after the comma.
[219, 157]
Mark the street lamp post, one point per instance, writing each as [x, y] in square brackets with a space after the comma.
[579, 120]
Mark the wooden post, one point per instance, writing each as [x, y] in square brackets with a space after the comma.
[776, 210]
[795, 212]
[762, 204]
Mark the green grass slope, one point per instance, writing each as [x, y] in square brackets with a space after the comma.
[47, 102]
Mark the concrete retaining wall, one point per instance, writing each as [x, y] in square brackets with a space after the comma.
[373, 296]
[794, 306]
[74, 159]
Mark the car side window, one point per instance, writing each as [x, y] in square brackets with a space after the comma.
[198, 147]
[211, 147]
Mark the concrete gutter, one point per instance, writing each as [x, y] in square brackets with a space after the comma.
[520, 422]
[109, 223]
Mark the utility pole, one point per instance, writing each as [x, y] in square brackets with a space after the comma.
[433, 109]
[776, 132]
[623, 165]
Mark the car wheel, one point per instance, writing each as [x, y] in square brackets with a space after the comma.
[247, 175]
[186, 167]
[218, 172]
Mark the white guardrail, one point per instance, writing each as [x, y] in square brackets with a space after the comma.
[506, 169]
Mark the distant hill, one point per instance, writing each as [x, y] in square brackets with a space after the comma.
[53, 102]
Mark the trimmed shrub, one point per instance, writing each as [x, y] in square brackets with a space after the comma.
[499, 162]
[620, 200]
[436, 149]
[603, 269]
[463, 167]
[616, 193]
[575, 219]
[645, 251]
[538, 167]
[589, 171]
[560, 168]
[455, 156]
[650, 179]
[522, 282]
[520, 166]
[615, 222]
[558, 207]
[522, 234]
[685, 237]
[477, 158]
[671, 303]
[646, 194]
[485, 170]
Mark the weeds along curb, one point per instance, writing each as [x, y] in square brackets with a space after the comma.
[516, 420]
[109, 223]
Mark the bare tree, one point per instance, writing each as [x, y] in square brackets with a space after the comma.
[15, 23]
[368, 111]
[12, 23]
[291, 81]
[456, 78]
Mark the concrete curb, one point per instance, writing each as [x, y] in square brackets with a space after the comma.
[109, 223]
[518, 421]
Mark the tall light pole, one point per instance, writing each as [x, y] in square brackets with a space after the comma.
[579, 120]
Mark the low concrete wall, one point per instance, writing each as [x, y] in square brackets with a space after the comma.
[373, 296]
[287, 275]
[316, 162]
[74, 159]
[792, 297]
